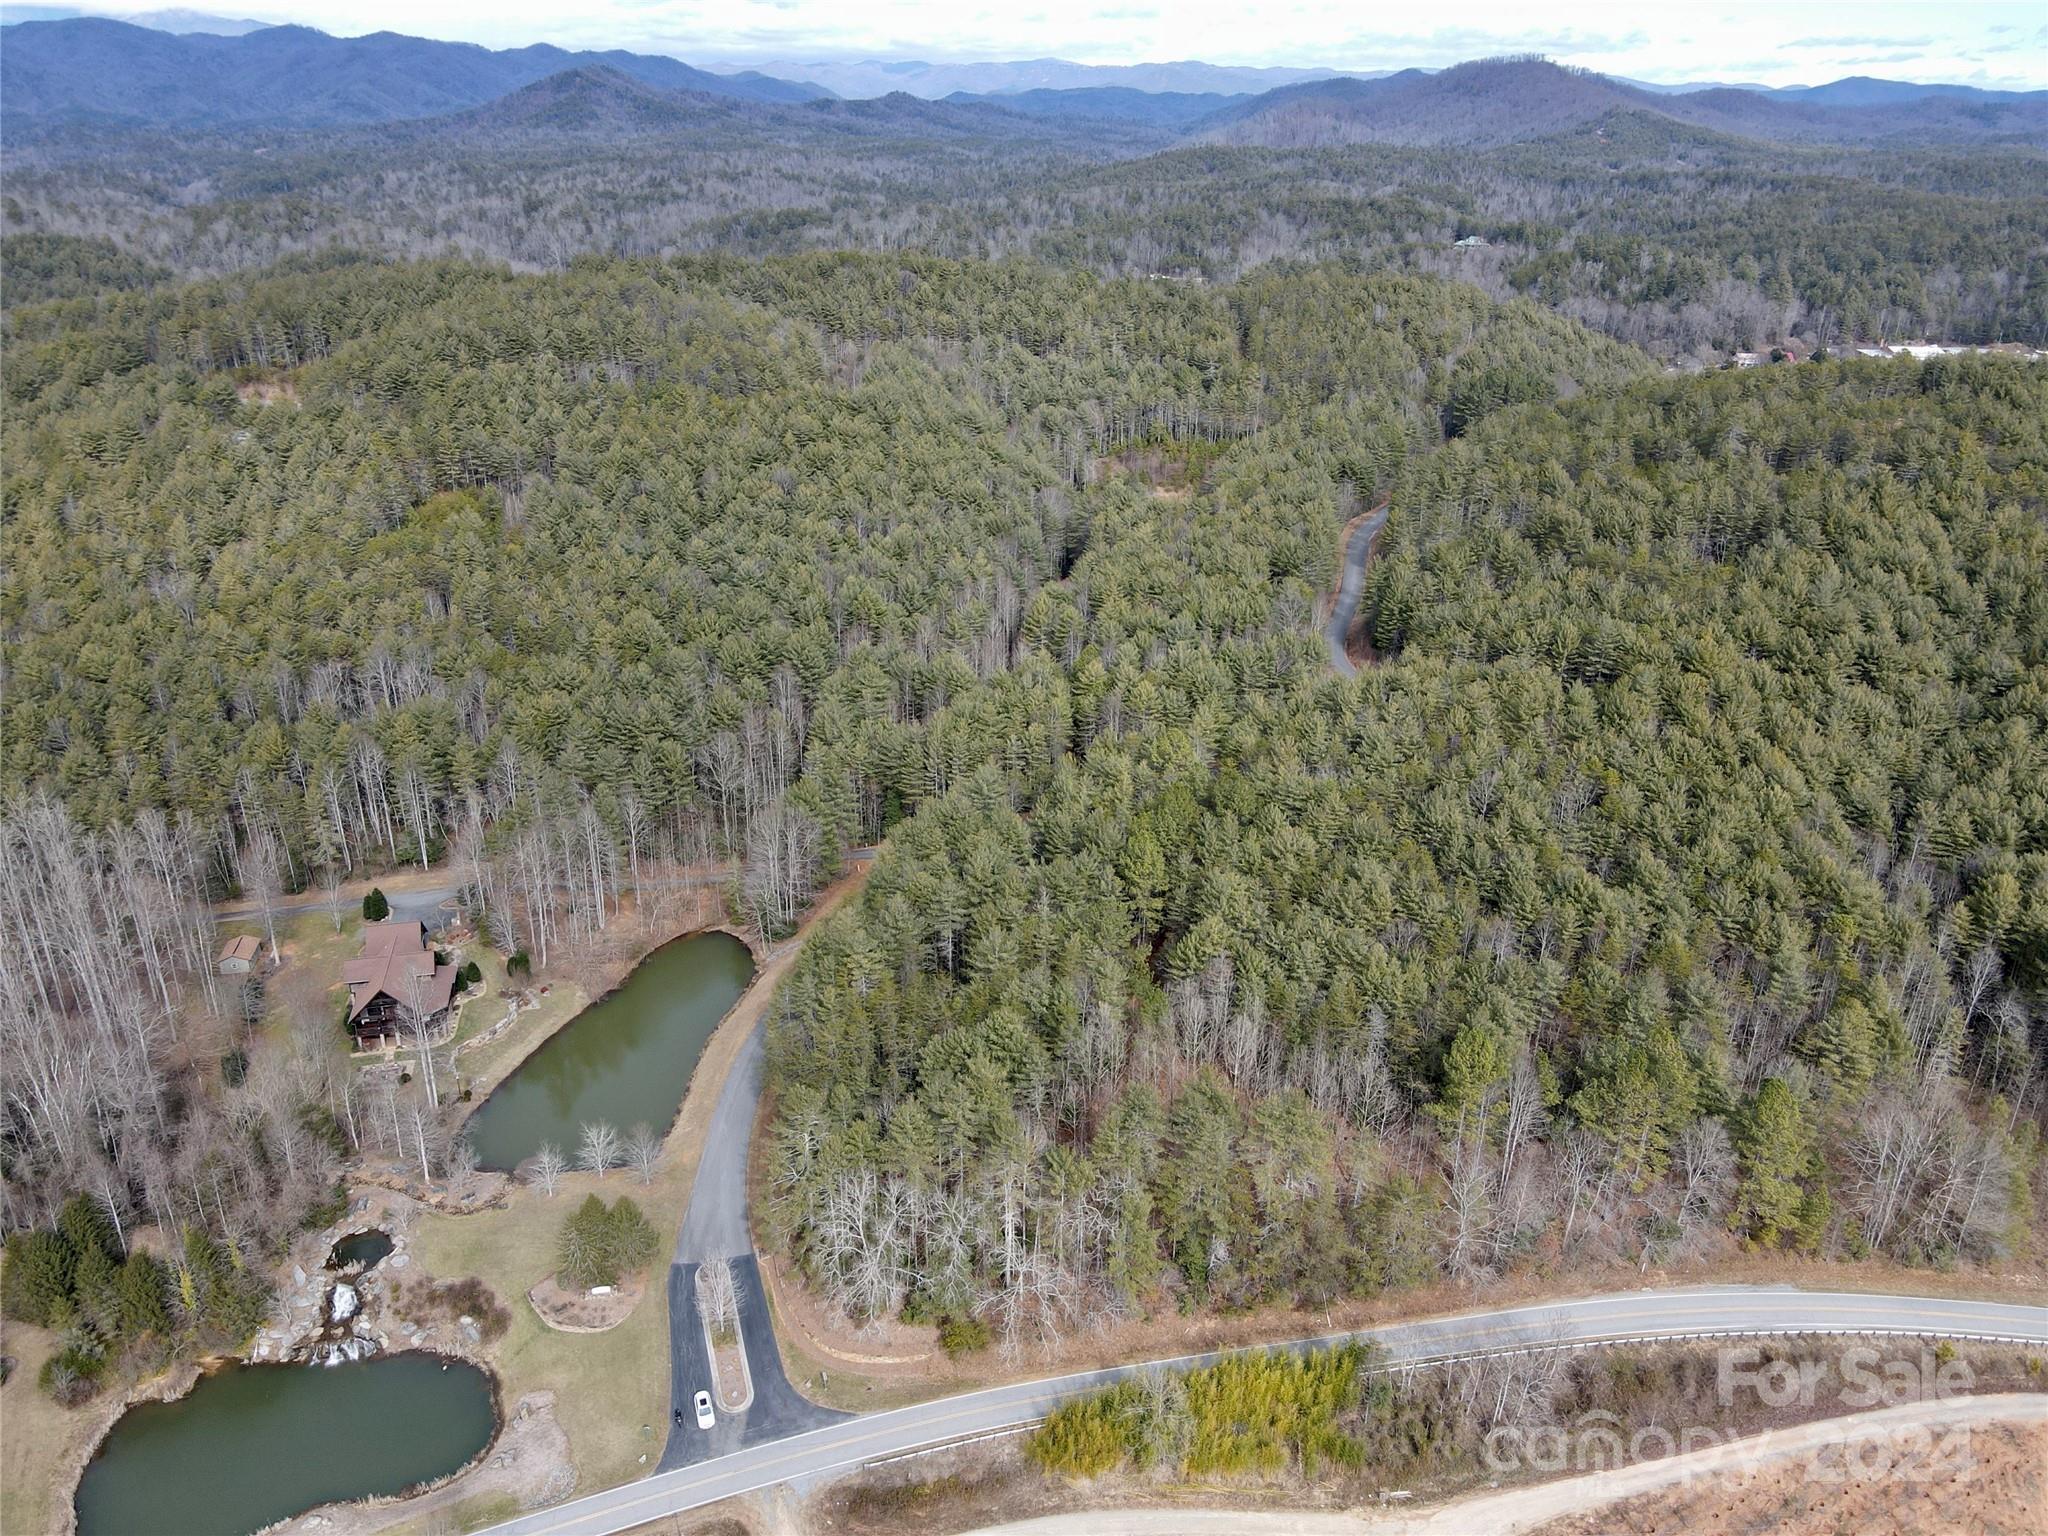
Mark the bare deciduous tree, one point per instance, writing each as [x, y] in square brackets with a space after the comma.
[643, 1151]
[1706, 1169]
[330, 893]
[548, 1167]
[718, 1293]
[600, 1149]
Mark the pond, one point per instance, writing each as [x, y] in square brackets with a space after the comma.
[623, 1061]
[366, 1249]
[255, 1444]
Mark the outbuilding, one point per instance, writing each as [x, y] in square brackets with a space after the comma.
[238, 955]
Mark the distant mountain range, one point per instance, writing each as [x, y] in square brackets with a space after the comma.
[1851, 91]
[1506, 101]
[109, 72]
[156, 21]
[113, 75]
[878, 77]
[1109, 103]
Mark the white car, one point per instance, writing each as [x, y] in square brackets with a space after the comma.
[705, 1418]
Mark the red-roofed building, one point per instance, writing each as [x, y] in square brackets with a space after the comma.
[238, 955]
[396, 983]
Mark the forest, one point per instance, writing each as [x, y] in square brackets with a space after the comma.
[1676, 876]
[1690, 239]
[1680, 868]
[542, 578]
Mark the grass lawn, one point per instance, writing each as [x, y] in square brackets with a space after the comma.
[484, 1066]
[36, 1437]
[611, 1389]
[470, 1515]
[309, 975]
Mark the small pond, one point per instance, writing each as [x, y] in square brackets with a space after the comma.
[255, 1444]
[360, 1249]
[623, 1061]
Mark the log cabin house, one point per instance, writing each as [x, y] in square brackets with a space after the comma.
[396, 981]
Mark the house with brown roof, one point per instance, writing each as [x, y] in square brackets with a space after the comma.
[238, 955]
[397, 984]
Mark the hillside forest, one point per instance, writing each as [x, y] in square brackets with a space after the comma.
[1692, 226]
[1675, 876]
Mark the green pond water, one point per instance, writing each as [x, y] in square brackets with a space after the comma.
[623, 1061]
[365, 1248]
[257, 1443]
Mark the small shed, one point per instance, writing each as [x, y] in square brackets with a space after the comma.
[238, 955]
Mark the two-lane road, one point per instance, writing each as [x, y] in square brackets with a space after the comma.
[1633, 1315]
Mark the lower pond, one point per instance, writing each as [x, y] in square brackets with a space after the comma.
[255, 1444]
[623, 1061]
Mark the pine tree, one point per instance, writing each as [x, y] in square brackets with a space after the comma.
[1774, 1148]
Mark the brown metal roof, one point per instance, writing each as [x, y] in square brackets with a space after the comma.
[241, 947]
[397, 963]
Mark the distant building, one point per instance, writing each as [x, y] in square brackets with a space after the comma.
[397, 983]
[1471, 242]
[238, 955]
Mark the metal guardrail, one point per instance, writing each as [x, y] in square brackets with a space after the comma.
[1423, 1362]
[1002, 1432]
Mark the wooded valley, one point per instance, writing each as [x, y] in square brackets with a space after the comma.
[1677, 874]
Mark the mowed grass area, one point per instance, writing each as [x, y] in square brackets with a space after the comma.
[485, 1509]
[484, 1066]
[307, 979]
[611, 1389]
[37, 1438]
[307, 985]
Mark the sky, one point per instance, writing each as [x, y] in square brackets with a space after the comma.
[1790, 42]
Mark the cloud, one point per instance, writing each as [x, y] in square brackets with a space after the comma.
[1854, 41]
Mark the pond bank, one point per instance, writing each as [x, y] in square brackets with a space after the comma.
[626, 1060]
[250, 1445]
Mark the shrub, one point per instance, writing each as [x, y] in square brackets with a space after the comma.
[468, 1297]
[375, 907]
[72, 1375]
[964, 1336]
[325, 1212]
[1247, 1415]
[517, 964]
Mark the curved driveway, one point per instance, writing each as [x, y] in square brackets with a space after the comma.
[1357, 552]
[1694, 1313]
[715, 1227]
